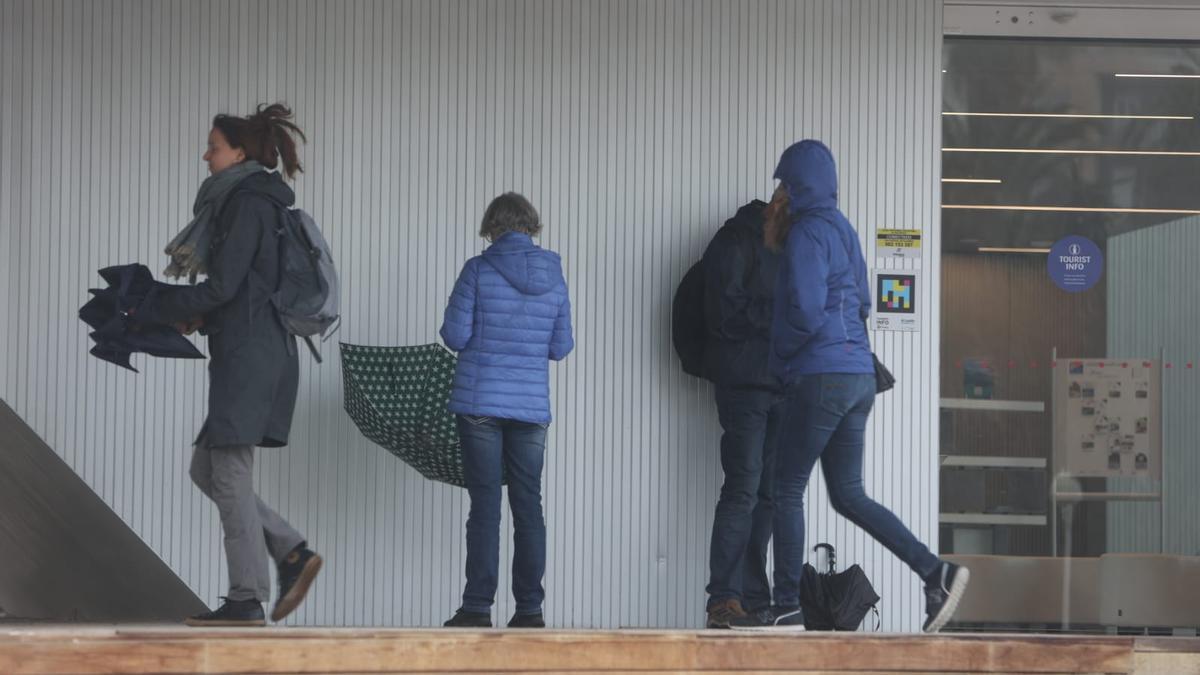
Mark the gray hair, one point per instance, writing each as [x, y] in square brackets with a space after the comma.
[510, 212]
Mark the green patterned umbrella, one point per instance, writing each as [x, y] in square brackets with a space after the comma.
[397, 397]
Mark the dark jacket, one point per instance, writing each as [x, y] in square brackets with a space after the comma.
[739, 290]
[254, 370]
[508, 317]
[823, 296]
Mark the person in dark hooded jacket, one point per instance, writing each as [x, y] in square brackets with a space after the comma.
[739, 276]
[820, 349]
[253, 370]
[508, 317]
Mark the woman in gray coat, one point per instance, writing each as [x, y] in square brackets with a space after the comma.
[253, 370]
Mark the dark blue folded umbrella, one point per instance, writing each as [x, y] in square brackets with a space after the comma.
[118, 335]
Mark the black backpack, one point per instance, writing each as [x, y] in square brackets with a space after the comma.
[688, 330]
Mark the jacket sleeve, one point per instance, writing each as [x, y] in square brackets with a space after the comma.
[228, 267]
[730, 310]
[459, 320]
[562, 341]
[807, 282]
[864, 289]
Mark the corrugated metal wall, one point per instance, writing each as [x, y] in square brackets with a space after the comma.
[636, 127]
[1152, 286]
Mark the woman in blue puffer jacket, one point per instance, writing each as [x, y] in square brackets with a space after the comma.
[508, 317]
[819, 349]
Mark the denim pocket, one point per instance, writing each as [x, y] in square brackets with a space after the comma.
[836, 394]
[477, 421]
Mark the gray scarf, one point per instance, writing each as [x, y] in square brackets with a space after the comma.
[189, 249]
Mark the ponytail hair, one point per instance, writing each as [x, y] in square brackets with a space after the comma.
[777, 222]
[268, 136]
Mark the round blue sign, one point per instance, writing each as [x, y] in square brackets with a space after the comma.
[1075, 264]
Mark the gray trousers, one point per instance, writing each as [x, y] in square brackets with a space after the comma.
[226, 476]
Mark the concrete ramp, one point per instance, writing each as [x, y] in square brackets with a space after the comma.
[66, 556]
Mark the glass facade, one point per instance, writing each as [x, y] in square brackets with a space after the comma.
[1070, 394]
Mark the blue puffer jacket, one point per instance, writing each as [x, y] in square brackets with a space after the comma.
[508, 316]
[822, 295]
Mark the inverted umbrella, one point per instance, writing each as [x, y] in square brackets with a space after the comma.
[117, 334]
[397, 397]
[835, 600]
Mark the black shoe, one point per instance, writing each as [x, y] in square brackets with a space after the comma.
[296, 574]
[527, 621]
[774, 618]
[236, 613]
[943, 591]
[721, 614]
[464, 619]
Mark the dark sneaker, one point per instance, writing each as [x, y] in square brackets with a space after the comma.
[296, 574]
[464, 619]
[233, 613]
[527, 621]
[943, 591]
[721, 613]
[789, 619]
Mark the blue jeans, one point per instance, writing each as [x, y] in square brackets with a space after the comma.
[490, 445]
[737, 559]
[825, 419]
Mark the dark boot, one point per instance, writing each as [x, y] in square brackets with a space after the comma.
[527, 621]
[296, 574]
[464, 619]
[232, 613]
[722, 613]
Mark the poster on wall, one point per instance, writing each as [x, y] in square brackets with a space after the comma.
[1107, 418]
[898, 244]
[896, 297]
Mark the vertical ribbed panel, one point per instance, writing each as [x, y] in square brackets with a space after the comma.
[1152, 289]
[635, 127]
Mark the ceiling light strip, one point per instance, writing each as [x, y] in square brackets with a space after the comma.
[1071, 116]
[1068, 209]
[1160, 76]
[1002, 249]
[1064, 151]
[989, 181]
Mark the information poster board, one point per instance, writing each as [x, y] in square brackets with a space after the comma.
[1108, 418]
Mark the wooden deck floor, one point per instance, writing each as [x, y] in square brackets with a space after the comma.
[146, 649]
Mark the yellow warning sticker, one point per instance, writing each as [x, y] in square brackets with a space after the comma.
[898, 243]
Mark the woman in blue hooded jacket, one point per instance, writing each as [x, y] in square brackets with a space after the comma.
[508, 317]
[820, 350]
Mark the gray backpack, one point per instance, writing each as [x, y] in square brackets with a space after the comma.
[306, 295]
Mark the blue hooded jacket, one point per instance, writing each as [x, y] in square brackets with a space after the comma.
[508, 316]
[822, 296]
